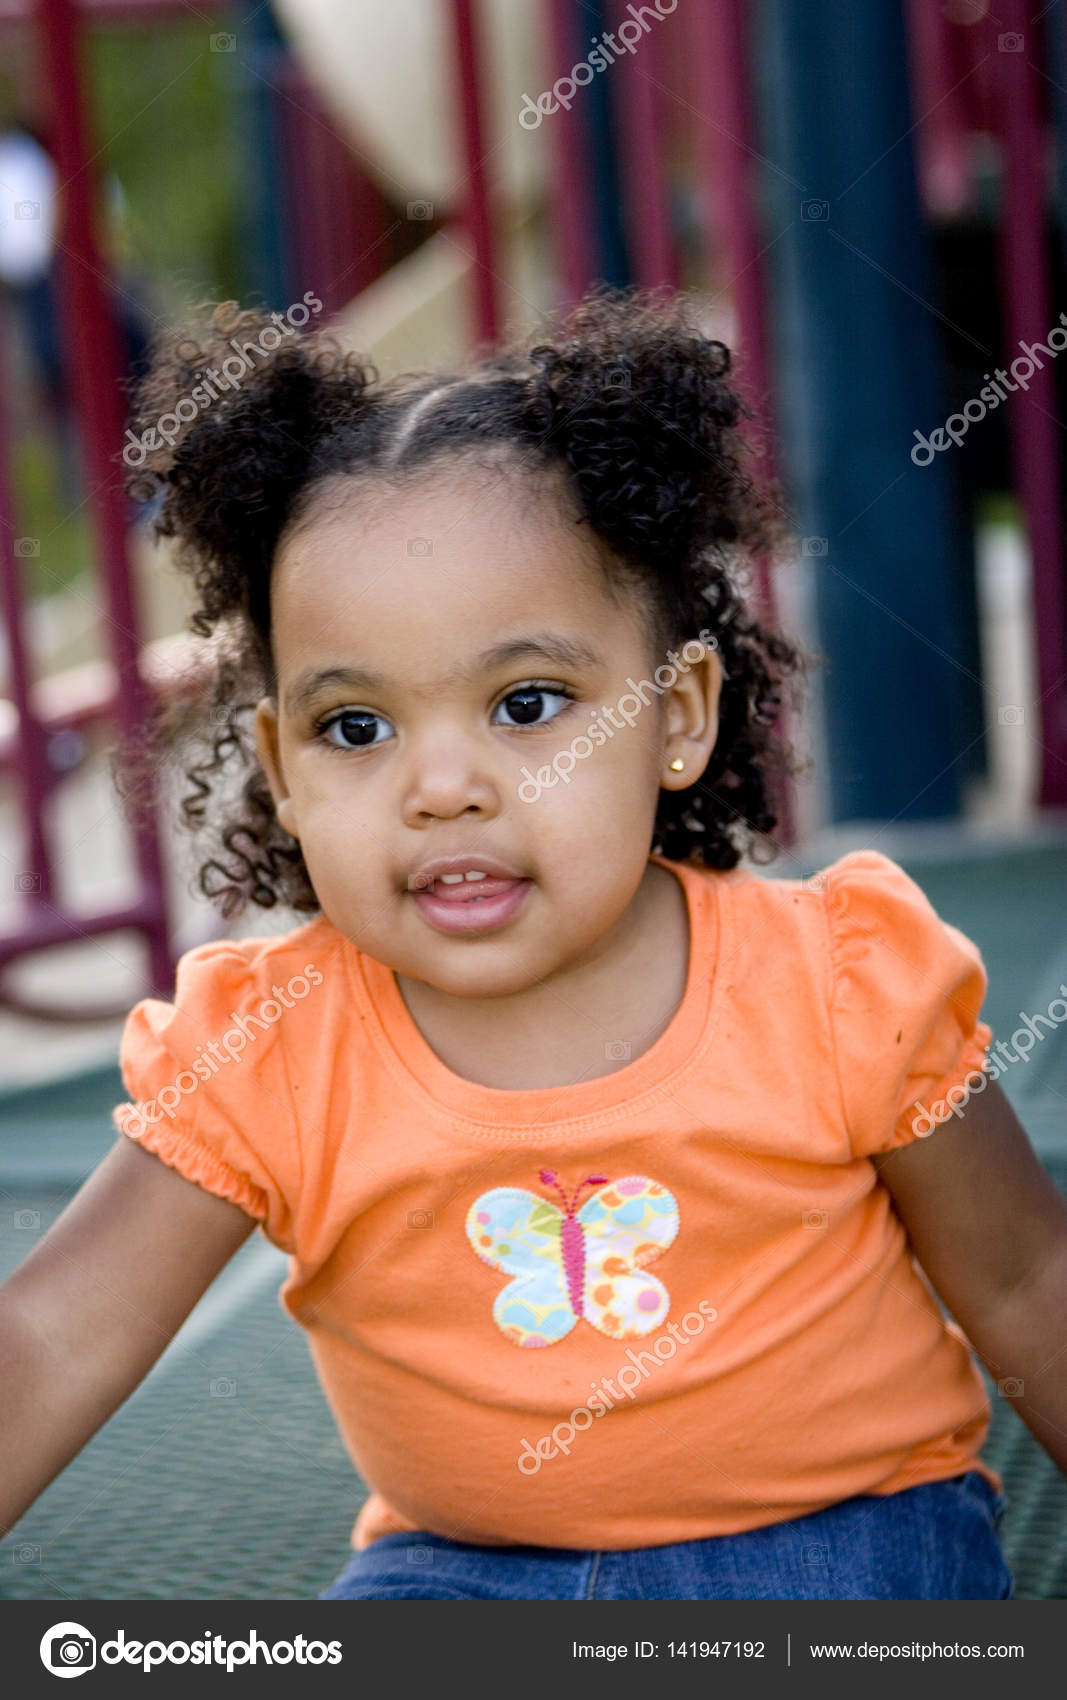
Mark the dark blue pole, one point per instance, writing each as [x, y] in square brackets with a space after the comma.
[857, 358]
[593, 18]
[260, 52]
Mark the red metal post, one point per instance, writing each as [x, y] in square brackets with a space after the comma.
[29, 758]
[477, 215]
[94, 366]
[1034, 427]
[725, 137]
[946, 182]
[570, 207]
[729, 159]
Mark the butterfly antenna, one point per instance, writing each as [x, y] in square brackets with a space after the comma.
[549, 1177]
[590, 1180]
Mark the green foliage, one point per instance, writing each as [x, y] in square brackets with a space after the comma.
[164, 110]
[61, 536]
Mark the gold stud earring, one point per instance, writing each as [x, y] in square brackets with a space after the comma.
[677, 765]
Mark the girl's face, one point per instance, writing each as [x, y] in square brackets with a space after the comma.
[443, 652]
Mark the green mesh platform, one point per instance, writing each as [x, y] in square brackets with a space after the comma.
[245, 1492]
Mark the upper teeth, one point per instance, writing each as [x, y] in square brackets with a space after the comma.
[454, 879]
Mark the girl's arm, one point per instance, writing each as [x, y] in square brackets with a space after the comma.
[88, 1312]
[990, 1230]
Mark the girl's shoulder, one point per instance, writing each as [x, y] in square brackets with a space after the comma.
[254, 965]
[857, 956]
[862, 897]
[233, 993]
[861, 921]
[208, 1072]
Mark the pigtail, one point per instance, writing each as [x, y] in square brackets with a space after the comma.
[639, 406]
[225, 429]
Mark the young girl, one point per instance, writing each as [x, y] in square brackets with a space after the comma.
[606, 1166]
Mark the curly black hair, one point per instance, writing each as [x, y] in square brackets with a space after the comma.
[625, 396]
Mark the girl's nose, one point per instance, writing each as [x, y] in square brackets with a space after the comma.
[447, 776]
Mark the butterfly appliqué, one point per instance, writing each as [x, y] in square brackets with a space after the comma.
[570, 1263]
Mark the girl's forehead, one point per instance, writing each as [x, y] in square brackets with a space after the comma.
[479, 529]
[454, 492]
[416, 584]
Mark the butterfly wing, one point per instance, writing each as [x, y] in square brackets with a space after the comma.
[512, 1230]
[627, 1224]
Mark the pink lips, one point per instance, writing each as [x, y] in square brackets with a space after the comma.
[475, 906]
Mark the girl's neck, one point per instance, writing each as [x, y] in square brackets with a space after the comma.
[532, 1039]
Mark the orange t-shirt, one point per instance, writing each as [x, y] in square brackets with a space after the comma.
[730, 1327]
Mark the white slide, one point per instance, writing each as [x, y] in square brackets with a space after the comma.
[388, 72]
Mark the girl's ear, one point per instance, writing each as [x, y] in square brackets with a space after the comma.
[692, 718]
[269, 751]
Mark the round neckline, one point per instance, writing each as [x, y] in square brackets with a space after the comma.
[400, 1043]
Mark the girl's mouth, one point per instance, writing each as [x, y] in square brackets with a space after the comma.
[470, 906]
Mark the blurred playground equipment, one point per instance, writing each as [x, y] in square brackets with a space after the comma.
[869, 204]
[863, 202]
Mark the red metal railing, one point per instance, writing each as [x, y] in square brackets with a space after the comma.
[93, 367]
[1028, 318]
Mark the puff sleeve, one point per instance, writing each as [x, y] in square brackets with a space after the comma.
[906, 993]
[208, 1084]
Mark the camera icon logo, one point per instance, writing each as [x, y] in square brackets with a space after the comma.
[28, 1220]
[616, 1050]
[617, 378]
[814, 546]
[420, 545]
[1011, 43]
[27, 209]
[223, 1387]
[1011, 715]
[815, 212]
[68, 1649]
[27, 882]
[225, 42]
[815, 1218]
[27, 548]
[421, 210]
[420, 1555]
[420, 1218]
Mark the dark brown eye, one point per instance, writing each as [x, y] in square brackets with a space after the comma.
[526, 705]
[353, 729]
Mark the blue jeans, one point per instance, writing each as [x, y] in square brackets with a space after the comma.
[934, 1542]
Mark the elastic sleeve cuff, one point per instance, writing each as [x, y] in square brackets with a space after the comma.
[947, 1096]
[194, 1160]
